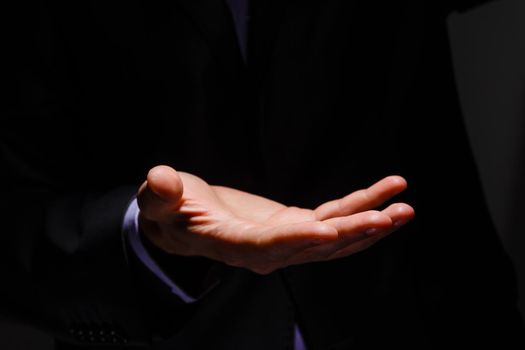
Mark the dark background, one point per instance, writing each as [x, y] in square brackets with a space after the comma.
[488, 45]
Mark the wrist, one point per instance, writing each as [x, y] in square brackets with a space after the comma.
[194, 274]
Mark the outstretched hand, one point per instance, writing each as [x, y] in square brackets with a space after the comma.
[182, 214]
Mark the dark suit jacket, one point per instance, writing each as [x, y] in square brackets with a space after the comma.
[336, 94]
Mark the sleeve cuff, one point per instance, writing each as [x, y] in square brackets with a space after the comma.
[131, 229]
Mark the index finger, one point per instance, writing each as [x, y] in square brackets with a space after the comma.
[362, 200]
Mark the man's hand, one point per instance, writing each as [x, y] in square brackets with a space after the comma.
[182, 214]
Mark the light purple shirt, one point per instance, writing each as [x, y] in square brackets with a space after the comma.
[131, 228]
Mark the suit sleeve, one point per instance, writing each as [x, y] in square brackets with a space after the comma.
[463, 5]
[66, 266]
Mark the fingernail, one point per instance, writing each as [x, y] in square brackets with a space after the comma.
[399, 223]
[371, 231]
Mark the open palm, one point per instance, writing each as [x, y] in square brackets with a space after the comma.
[184, 215]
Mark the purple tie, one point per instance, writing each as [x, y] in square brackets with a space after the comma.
[240, 13]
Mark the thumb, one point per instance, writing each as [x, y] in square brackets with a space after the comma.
[159, 196]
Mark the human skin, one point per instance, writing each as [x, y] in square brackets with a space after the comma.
[183, 215]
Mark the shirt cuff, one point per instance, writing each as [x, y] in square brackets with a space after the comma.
[131, 228]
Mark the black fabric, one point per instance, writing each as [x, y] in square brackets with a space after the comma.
[335, 95]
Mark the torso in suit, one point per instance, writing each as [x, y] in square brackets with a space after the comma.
[334, 95]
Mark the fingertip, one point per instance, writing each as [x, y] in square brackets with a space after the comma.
[406, 210]
[400, 213]
[406, 214]
[164, 181]
[159, 172]
[398, 181]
